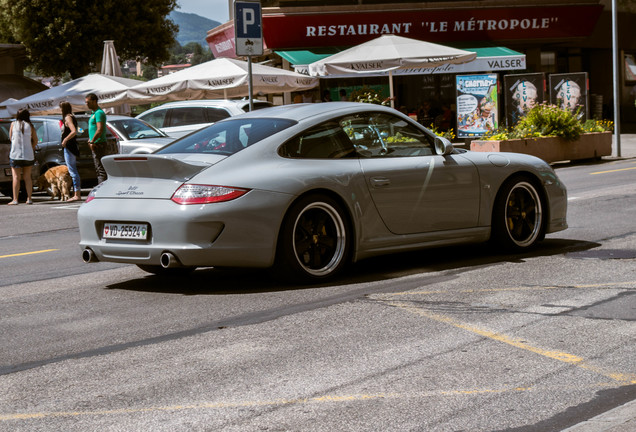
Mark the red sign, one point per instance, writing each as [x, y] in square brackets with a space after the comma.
[348, 29]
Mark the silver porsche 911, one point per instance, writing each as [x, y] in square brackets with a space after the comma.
[306, 189]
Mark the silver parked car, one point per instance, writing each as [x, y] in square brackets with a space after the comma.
[306, 189]
[178, 119]
[136, 136]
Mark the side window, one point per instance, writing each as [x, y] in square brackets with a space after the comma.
[4, 132]
[82, 128]
[155, 118]
[326, 141]
[40, 130]
[385, 135]
[186, 116]
[216, 114]
[54, 131]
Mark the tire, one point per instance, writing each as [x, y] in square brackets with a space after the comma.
[518, 218]
[314, 242]
[161, 271]
[22, 194]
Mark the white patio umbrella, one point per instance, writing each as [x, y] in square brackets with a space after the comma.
[3, 108]
[110, 66]
[221, 78]
[386, 54]
[110, 91]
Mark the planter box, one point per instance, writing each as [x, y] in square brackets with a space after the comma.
[553, 149]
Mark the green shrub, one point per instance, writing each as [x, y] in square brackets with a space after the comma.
[549, 120]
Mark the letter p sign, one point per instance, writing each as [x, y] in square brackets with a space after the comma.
[248, 19]
[248, 28]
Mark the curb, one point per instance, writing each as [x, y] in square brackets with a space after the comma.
[619, 419]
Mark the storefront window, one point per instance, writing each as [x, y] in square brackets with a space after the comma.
[548, 62]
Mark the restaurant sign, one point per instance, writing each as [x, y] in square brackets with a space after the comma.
[437, 26]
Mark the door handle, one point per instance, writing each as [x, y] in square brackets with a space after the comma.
[380, 182]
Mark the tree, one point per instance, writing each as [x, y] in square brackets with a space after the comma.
[60, 36]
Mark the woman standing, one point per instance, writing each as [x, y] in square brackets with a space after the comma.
[22, 154]
[71, 148]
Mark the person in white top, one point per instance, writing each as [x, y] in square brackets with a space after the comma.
[22, 154]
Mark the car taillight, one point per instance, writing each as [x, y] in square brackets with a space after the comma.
[91, 194]
[206, 194]
[115, 134]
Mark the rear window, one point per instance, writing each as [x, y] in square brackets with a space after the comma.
[135, 129]
[228, 137]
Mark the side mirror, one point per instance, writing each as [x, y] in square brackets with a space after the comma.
[443, 146]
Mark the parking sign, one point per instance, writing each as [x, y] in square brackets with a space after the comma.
[248, 28]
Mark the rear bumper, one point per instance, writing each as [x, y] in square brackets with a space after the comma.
[239, 233]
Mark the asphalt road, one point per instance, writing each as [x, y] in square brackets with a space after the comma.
[451, 339]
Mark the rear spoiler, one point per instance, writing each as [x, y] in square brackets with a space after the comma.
[152, 166]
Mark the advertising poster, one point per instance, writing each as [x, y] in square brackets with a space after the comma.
[521, 93]
[569, 91]
[477, 105]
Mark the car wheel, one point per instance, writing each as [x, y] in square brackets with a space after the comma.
[314, 242]
[518, 218]
[161, 271]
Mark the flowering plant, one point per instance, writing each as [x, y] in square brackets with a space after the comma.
[367, 95]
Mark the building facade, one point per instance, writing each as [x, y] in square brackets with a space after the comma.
[561, 37]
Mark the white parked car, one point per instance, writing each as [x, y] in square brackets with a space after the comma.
[136, 136]
[180, 118]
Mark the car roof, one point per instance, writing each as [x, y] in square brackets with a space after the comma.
[210, 102]
[308, 110]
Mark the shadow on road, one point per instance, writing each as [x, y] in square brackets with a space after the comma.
[212, 281]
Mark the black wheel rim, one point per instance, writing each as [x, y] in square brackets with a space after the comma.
[523, 214]
[319, 239]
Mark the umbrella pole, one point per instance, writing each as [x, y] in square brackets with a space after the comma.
[391, 89]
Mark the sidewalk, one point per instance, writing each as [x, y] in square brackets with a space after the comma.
[620, 419]
[628, 146]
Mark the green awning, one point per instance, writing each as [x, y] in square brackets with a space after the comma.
[305, 57]
[490, 58]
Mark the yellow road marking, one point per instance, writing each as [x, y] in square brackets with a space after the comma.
[281, 402]
[257, 403]
[519, 343]
[611, 171]
[28, 253]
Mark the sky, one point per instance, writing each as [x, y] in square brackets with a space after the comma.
[217, 10]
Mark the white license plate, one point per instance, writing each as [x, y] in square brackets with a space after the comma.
[125, 231]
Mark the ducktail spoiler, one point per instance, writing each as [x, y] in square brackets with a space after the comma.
[153, 166]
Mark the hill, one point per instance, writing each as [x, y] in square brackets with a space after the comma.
[192, 27]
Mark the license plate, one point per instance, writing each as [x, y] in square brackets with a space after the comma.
[125, 231]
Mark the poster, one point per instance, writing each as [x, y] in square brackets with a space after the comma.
[630, 68]
[521, 93]
[569, 91]
[477, 105]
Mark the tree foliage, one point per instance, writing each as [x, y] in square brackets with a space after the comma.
[68, 35]
[179, 54]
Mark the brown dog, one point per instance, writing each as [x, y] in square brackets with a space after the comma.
[59, 180]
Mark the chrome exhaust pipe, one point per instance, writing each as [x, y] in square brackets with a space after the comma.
[88, 256]
[168, 260]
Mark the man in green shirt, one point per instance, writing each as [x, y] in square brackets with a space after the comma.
[97, 135]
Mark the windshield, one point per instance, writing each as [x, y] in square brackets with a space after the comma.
[228, 137]
[132, 129]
